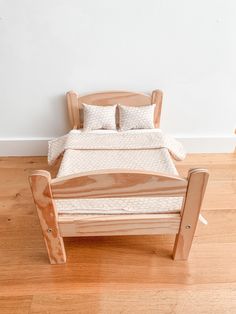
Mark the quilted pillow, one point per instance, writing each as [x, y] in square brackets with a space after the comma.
[141, 117]
[99, 117]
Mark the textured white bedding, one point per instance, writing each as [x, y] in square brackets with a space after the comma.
[78, 140]
[81, 160]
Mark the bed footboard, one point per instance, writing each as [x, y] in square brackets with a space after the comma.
[111, 184]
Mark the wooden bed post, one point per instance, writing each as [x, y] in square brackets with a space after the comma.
[197, 181]
[73, 109]
[156, 98]
[42, 194]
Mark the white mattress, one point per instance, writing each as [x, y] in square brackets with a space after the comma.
[159, 160]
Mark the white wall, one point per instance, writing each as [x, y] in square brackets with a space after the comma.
[187, 48]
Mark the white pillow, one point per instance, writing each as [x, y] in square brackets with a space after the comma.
[141, 117]
[99, 117]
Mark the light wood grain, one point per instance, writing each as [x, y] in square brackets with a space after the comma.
[74, 103]
[157, 97]
[15, 305]
[117, 183]
[118, 274]
[105, 225]
[73, 109]
[40, 184]
[146, 301]
[197, 181]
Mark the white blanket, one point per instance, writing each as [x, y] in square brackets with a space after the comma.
[82, 148]
[114, 141]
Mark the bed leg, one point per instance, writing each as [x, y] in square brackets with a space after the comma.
[42, 194]
[197, 181]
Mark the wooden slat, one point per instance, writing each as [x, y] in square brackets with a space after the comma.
[110, 225]
[117, 183]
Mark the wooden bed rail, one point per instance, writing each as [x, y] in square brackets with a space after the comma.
[117, 183]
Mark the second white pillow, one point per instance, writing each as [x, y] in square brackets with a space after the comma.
[141, 117]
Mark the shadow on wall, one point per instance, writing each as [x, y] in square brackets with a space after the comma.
[59, 117]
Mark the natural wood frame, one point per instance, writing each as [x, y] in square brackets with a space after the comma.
[125, 183]
[116, 183]
[75, 101]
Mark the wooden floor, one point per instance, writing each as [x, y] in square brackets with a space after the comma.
[130, 274]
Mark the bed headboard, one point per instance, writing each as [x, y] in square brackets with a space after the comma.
[74, 102]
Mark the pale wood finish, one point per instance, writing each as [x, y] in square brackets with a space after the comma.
[74, 103]
[40, 184]
[118, 274]
[15, 305]
[157, 97]
[140, 301]
[197, 181]
[117, 183]
[108, 225]
[73, 110]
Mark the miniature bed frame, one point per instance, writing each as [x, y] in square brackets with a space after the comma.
[116, 183]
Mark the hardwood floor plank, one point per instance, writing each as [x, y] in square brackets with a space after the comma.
[220, 195]
[103, 265]
[15, 304]
[153, 301]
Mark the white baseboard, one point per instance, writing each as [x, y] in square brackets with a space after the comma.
[24, 146]
[38, 146]
[223, 144]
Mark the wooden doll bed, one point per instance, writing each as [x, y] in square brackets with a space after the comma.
[116, 184]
